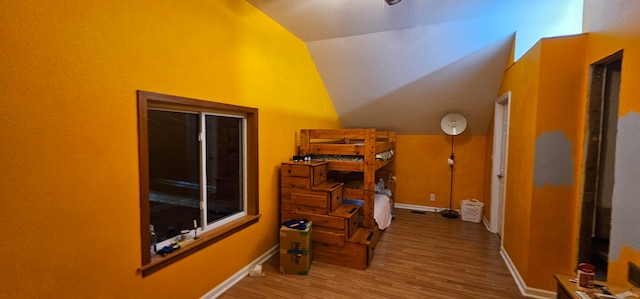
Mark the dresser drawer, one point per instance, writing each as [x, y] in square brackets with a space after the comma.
[299, 170]
[303, 174]
[353, 224]
[322, 220]
[333, 190]
[319, 174]
[329, 236]
[350, 255]
[305, 200]
[310, 200]
[350, 213]
[295, 182]
[335, 198]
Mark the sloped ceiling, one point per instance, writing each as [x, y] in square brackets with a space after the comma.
[404, 67]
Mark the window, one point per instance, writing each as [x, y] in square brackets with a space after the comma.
[198, 168]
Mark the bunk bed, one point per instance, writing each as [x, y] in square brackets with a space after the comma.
[363, 159]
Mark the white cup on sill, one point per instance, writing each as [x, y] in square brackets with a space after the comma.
[185, 235]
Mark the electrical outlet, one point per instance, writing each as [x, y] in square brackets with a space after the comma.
[432, 197]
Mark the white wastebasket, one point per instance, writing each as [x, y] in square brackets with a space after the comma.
[471, 210]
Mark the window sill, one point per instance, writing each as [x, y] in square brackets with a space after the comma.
[205, 239]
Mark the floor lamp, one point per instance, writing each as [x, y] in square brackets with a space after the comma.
[452, 124]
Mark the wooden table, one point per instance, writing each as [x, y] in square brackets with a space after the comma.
[566, 289]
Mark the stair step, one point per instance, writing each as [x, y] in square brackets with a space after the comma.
[345, 210]
[329, 235]
[366, 236]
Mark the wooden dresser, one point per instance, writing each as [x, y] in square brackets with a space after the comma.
[307, 194]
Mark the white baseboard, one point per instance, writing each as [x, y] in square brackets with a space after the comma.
[487, 225]
[231, 281]
[522, 286]
[418, 208]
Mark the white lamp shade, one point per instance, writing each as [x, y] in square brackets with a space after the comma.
[453, 124]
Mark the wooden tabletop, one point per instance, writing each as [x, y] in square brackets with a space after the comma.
[569, 287]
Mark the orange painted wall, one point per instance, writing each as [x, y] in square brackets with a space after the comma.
[549, 91]
[521, 79]
[561, 106]
[562, 70]
[488, 158]
[69, 152]
[547, 86]
[614, 26]
[422, 169]
[487, 173]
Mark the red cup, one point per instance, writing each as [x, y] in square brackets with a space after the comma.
[586, 273]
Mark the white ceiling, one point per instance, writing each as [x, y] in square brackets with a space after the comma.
[403, 67]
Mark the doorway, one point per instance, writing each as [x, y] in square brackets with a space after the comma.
[499, 162]
[600, 143]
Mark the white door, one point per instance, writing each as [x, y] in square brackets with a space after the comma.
[499, 163]
[503, 162]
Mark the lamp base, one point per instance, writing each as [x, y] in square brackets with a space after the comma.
[449, 213]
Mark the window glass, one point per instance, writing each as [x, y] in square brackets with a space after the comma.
[224, 165]
[176, 172]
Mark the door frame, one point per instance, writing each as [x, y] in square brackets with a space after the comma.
[596, 99]
[497, 213]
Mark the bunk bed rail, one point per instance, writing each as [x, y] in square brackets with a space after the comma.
[356, 142]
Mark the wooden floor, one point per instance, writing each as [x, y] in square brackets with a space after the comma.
[419, 256]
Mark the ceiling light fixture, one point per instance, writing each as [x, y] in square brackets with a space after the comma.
[392, 2]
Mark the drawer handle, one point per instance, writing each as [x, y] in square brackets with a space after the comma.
[352, 210]
[370, 236]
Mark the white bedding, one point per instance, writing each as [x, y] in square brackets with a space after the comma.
[382, 210]
[382, 204]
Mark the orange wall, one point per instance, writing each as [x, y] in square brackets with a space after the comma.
[547, 86]
[488, 157]
[614, 25]
[487, 173]
[521, 79]
[69, 152]
[422, 169]
[549, 91]
[561, 107]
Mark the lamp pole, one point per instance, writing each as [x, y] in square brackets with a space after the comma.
[452, 124]
[450, 213]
